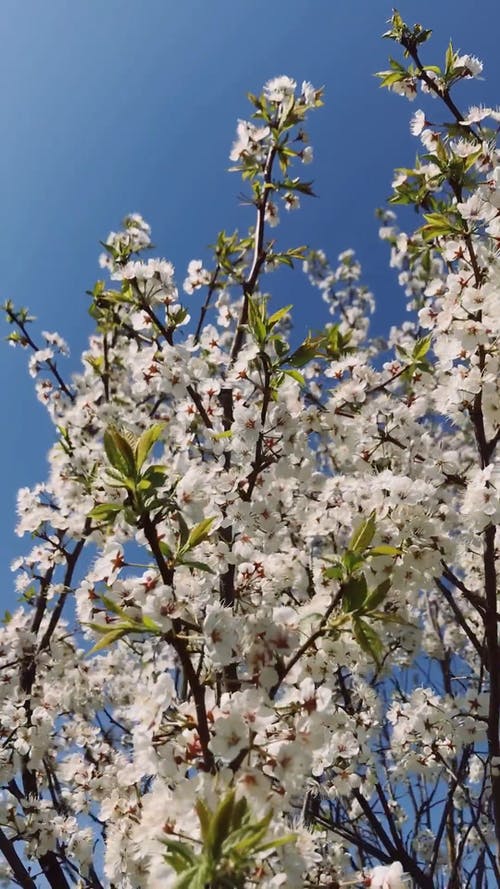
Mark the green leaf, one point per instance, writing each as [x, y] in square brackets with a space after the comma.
[119, 453]
[149, 624]
[256, 322]
[449, 58]
[281, 347]
[199, 533]
[203, 879]
[220, 825]
[146, 442]
[105, 512]
[423, 37]
[275, 844]
[112, 606]
[183, 531]
[421, 347]
[277, 316]
[236, 842]
[240, 842]
[99, 628]
[180, 849]
[130, 516]
[187, 879]
[388, 617]
[177, 862]
[354, 593]
[396, 20]
[204, 817]
[368, 640]
[241, 812]
[116, 480]
[438, 225]
[305, 352]
[109, 639]
[388, 78]
[377, 596]
[363, 534]
[336, 572]
[165, 549]
[155, 476]
[295, 375]
[201, 566]
[281, 259]
[29, 594]
[384, 549]
[245, 845]
[352, 561]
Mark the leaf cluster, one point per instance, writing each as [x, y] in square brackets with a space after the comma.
[359, 602]
[144, 487]
[230, 840]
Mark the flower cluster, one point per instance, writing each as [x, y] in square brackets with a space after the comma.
[257, 643]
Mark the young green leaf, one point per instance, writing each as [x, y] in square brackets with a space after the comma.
[105, 512]
[119, 452]
[335, 572]
[275, 844]
[277, 316]
[384, 549]
[204, 817]
[146, 442]
[378, 595]
[149, 625]
[354, 593]
[182, 849]
[387, 617]
[113, 607]
[109, 638]
[421, 347]
[199, 533]
[183, 532]
[200, 566]
[352, 561]
[295, 375]
[368, 640]
[256, 323]
[363, 534]
[220, 825]
[187, 879]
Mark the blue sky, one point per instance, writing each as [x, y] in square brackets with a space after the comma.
[110, 107]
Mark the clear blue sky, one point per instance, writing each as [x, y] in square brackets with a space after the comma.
[114, 106]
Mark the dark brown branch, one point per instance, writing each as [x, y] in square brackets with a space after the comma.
[476, 601]
[21, 875]
[459, 617]
[397, 853]
[53, 871]
[444, 95]
[198, 692]
[493, 649]
[48, 361]
[204, 309]
[259, 463]
[352, 837]
[306, 645]
[396, 836]
[448, 809]
[72, 560]
[259, 256]
[180, 647]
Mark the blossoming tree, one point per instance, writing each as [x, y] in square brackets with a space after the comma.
[279, 662]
